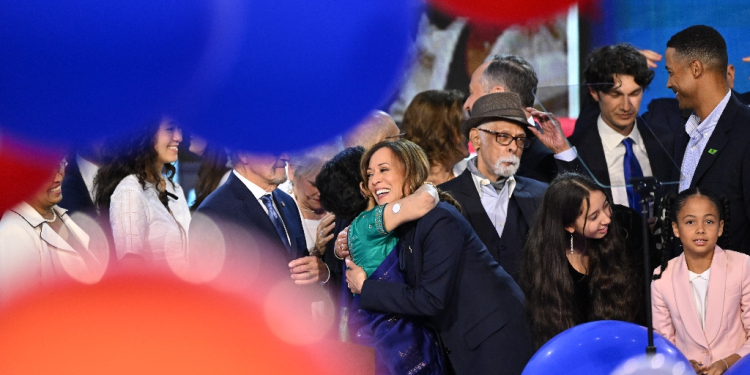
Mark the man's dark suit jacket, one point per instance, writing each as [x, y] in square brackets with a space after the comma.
[74, 191]
[452, 281]
[527, 194]
[239, 216]
[657, 139]
[724, 168]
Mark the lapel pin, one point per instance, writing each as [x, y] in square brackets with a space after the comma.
[712, 151]
[282, 204]
[409, 249]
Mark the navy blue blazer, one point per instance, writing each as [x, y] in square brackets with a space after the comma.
[75, 194]
[724, 168]
[234, 204]
[528, 195]
[453, 282]
[658, 140]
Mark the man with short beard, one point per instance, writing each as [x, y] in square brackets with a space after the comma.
[499, 205]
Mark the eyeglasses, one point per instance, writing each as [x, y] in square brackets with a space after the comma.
[61, 167]
[396, 137]
[505, 139]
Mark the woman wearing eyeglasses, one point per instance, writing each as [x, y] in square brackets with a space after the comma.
[147, 209]
[40, 244]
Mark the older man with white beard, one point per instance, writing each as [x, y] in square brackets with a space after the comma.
[499, 205]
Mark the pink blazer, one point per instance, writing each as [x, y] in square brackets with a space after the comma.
[727, 311]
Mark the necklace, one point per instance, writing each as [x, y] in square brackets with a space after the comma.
[54, 217]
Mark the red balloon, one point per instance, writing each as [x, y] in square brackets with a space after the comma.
[151, 324]
[504, 12]
[24, 168]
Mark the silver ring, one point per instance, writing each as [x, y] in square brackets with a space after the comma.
[309, 275]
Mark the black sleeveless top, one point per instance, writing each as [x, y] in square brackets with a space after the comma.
[581, 296]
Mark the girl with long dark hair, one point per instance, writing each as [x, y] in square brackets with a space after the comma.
[574, 268]
[147, 209]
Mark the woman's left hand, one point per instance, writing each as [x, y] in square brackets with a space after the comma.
[324, 234]
[355, 276]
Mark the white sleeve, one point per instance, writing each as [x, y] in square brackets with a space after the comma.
[128, 215]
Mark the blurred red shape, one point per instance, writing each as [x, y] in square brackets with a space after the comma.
[151, 324]
[24, 168]
[505, 12]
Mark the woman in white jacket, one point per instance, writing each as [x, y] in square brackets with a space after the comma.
[40, 244]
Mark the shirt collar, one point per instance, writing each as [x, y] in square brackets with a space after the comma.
[33, 217]
[88, 172]
[705, 275]
[611, 138]
[256, 190]
[695, 124]
[480, 180]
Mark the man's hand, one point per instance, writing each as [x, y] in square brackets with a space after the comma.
[651, 57]
[553, 136]
[308, 270]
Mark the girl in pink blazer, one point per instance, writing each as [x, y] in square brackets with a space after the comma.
[701, 299]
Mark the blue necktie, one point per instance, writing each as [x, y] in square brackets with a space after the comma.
[276, 220]
[632, 168]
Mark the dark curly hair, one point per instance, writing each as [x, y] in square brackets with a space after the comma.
[702, 43]
[136, 155]
[673, 204]
[338, 183]
[433, 121]
[620, 59]
[545, 278]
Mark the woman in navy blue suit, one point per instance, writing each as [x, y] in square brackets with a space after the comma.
[452, 282]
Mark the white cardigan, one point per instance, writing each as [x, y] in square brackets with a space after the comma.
[32, 254]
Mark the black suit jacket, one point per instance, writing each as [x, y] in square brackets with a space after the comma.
[239, 216]
[452, 281]
[724, 168]
[527, 194]
[657, 139]
[74, 191]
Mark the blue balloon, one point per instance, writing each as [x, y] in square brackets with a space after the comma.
[741, 367]
[76, 70]
[597, 348]
[288, 74]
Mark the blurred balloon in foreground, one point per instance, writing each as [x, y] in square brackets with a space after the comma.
[508, 12]
[150, 325]
[77, 70]
[597, 348]
[657, 364]
[297, 73]
[741, 367]
[24, 168]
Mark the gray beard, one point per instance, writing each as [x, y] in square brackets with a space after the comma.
[506, 171]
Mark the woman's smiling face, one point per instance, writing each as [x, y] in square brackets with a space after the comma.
[385, 176]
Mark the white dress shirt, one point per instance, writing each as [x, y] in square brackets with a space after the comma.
[141, 224]
[32, 254]
[495, 203]
[699, 286]
[614, 153]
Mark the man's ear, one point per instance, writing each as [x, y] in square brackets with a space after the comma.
[696, 68]
[496, 89]
[594, 94]
[475, 139]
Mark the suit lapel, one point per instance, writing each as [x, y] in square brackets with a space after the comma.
[658, 157]
[477, 216]
[684, 298]
[525, 201]
[591, 152]
[715, 299]
[717, 141]
[254, 213]
[293, 223]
